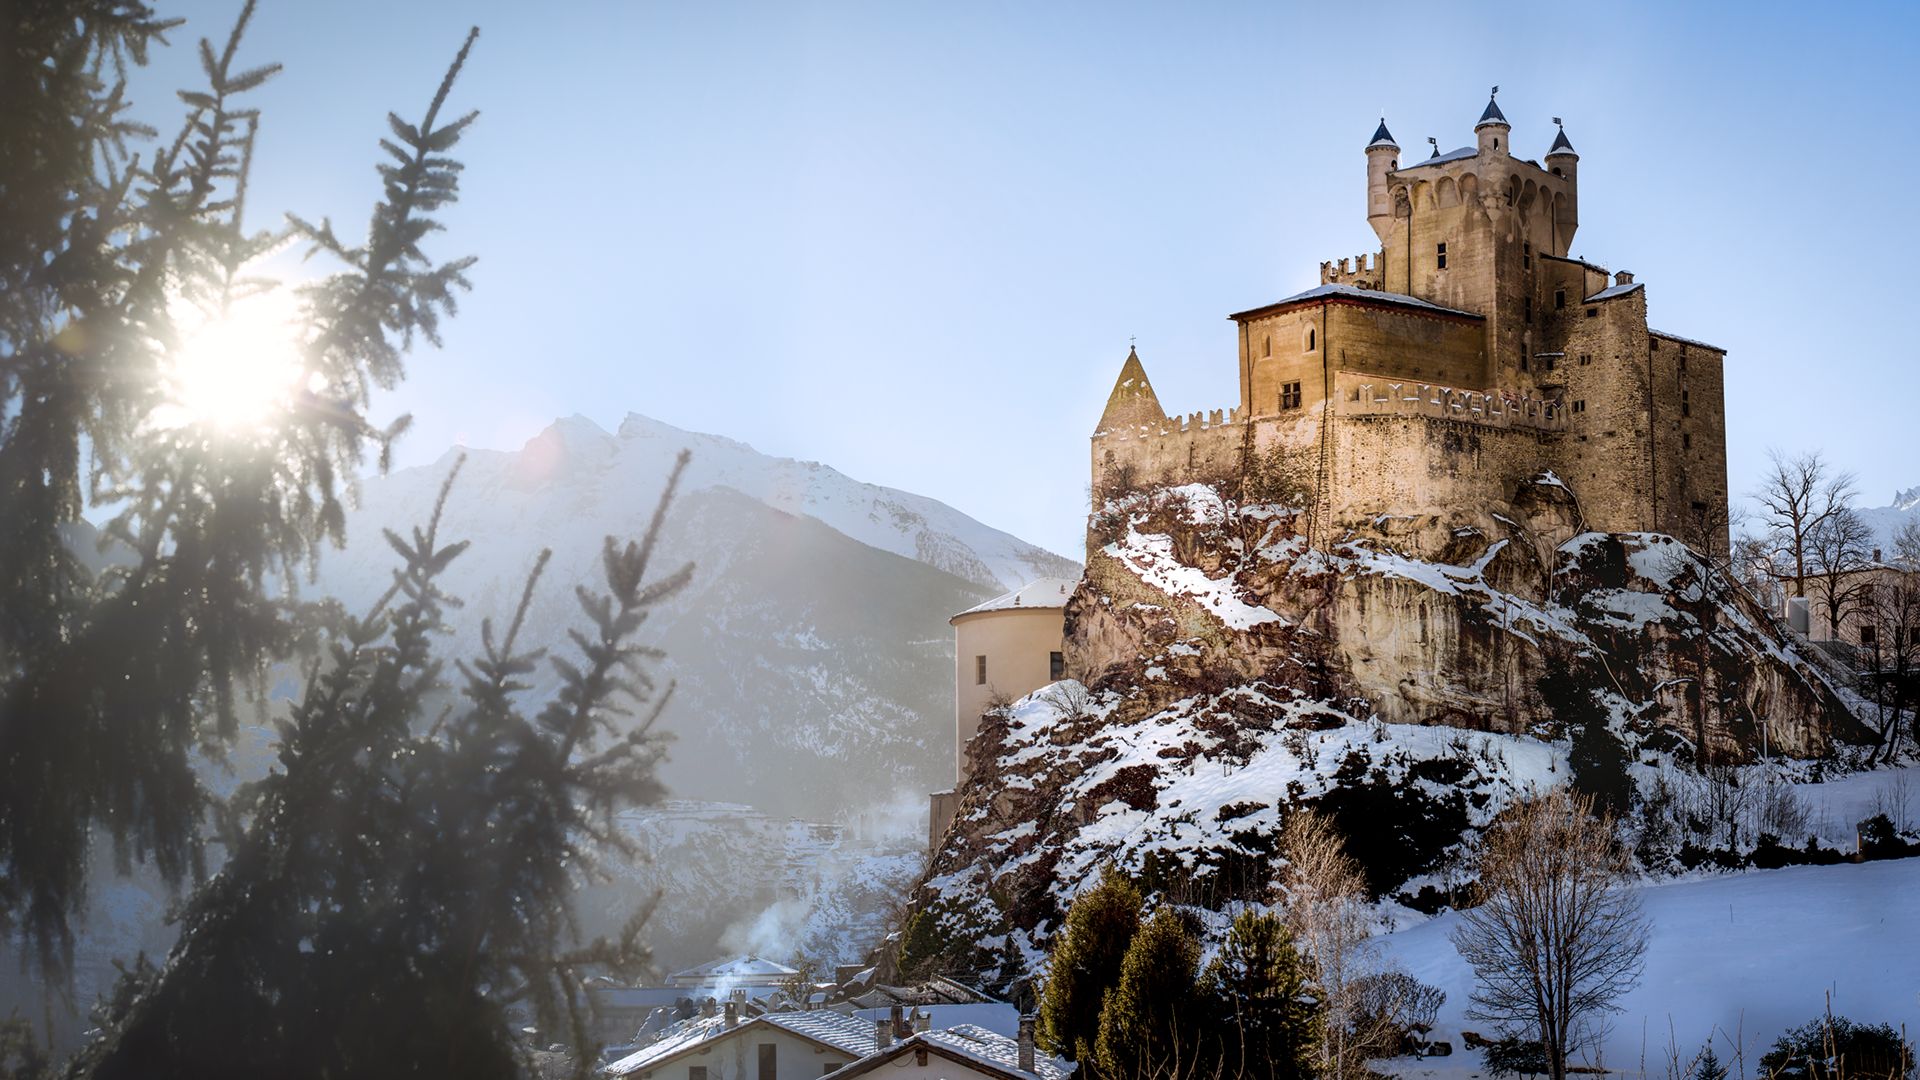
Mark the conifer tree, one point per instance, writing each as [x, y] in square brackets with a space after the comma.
[1086, 961]
[1256, 994]
[399, 881]
[1153, 1022]
[1707, 1066]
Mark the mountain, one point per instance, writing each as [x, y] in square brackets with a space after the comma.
[1886, 520]
[813, 662]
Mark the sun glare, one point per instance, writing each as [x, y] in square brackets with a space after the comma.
[238, 372]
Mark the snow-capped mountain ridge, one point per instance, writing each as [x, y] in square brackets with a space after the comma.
[576, 451]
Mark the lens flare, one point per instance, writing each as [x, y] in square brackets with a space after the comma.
[238, 372]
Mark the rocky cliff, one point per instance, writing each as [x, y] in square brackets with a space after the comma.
[1409, 678]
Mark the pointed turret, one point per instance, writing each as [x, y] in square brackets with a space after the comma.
[1383, 156]
[1491, 132]
[1562, 146]
[1492, 115]
[1133, 402]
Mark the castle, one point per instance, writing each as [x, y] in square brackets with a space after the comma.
[1470, 355]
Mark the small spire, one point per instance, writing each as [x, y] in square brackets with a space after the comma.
[1561, 145]
[1435, 143]
[1382, 138]
[1493, 115]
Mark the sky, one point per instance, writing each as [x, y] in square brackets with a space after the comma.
[913, 241]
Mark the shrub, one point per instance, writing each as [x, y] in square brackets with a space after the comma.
[1836, 1048]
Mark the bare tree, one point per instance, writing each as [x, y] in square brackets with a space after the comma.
[1796, 496]
[1839, 551]
[1558, 934]
[1326, 908]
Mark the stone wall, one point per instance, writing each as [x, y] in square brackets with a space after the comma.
[1202, 447]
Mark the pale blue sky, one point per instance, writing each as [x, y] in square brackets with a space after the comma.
[912, 240]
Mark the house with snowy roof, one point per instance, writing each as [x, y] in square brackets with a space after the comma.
[962, 1052]
[1003, 649]
[776, 1046]
[1470, 353]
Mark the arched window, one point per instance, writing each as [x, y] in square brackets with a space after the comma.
[1266, 344]
[1310, 340]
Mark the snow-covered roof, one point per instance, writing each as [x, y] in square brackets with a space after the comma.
[849, 1035]
[1349, 292]
[1684, 340]
[1442, 159]
[1043, 593]
[1492, 114]
[1576, 262]
[1561, 144]
[733, 969]
[1612, 291]
[967, 1044]
[1381, 137]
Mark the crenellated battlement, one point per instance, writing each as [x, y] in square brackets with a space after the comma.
[1361, 271]
[1198, 420]
[1492, 408]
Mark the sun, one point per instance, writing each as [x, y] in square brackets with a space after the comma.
[234, 373]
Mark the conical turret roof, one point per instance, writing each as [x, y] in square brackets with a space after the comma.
[1133, 401]
[1382, 137]
[1561, 145]
[1493, 115]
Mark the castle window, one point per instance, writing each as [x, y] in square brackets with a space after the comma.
[1529, 308]
[1593, 312]
[1683, 358]
[696, 1072]
[1523, 361]
[1290, 395]
[1868, 636]
[1440, 256]
[1266, 343]
[1580, 406]
[1056, 666]
[1585, 359]
[979, 671]
[1686, 441]
[1559, 299]
[1310, 339]
[1686, 406]
[1526, 255]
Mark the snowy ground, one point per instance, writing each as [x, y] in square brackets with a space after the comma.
[1736, 957]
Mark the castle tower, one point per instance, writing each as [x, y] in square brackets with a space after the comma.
[1493, 129]
[1383, 157]
[1562, 161]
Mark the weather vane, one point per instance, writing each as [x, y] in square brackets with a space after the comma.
[1435, 143]
[1557, 121]
[1496, 92]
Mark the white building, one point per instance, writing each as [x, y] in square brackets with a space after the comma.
[777, 1046]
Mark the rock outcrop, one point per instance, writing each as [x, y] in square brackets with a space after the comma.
[1226, 671]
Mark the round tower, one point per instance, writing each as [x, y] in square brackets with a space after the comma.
[1562, 161]
[1383, 157]
[1492, 130]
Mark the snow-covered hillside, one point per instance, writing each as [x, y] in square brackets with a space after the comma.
[1737, 957]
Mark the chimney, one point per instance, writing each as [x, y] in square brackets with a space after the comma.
[706, 1008]
[1876, 554]
[733, 1014]
[1622, 278]
[1026, 1044]
[882, 1033]
[922, 1021]
[900, 1028]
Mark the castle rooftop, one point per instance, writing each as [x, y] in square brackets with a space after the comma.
[1442, 159]
[1351, 294]
[1382, 137]
[1561, 145]
[1612, 292]
[1492, 115]
[1034, 595]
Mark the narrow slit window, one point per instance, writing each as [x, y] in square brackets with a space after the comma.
[1528, 302]
[979, 671]
[1056, 666]
[1312, 342]
[1686, 440]
[1686, 404]
[1559, 299]
[1440, 256]
[1526, 256]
